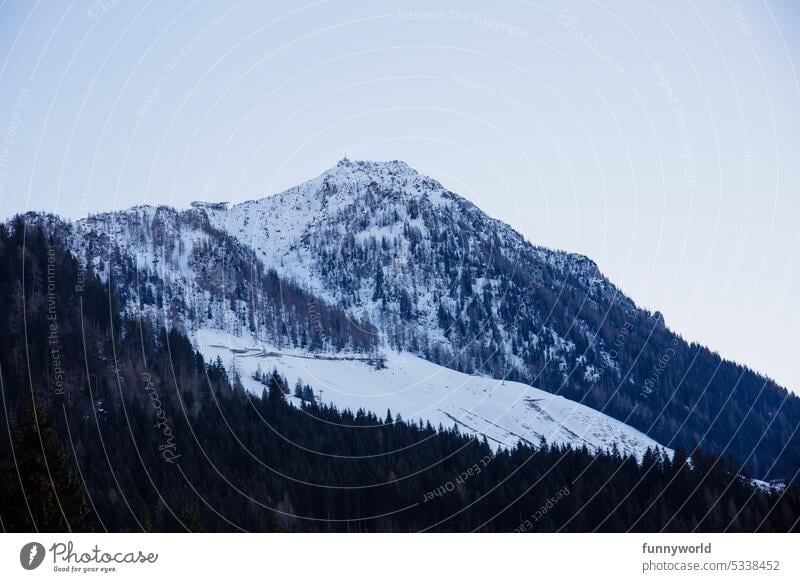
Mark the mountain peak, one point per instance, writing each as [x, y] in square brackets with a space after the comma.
[375, 168]
[351, 176]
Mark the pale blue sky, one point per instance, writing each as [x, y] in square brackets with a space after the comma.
[660, 139]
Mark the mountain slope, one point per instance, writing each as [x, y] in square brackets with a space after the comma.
[372, 256]
[147, 436]
[506, 413]
[176, 268]
[441, 279]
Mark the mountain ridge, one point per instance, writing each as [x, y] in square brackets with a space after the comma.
[400, 261]
[569, 278]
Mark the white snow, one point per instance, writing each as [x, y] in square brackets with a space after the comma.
[305, 234]
[503, 412]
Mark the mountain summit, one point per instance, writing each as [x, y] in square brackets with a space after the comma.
[371, 256]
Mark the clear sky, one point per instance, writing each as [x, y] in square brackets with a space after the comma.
[662, 139]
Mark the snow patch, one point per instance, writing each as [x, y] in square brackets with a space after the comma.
[504, 412]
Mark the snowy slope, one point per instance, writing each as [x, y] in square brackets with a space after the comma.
[177, 270]
[435, 274]
[277, 227]
[504, 412]
[375, 197]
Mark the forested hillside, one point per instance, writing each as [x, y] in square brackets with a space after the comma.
[440, 278]
[111, 423]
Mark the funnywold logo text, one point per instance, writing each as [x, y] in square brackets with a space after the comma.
[31, 555]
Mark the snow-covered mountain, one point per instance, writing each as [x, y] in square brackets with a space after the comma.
[442, 280]
[432, 271]
[177, 269]
[374, 257]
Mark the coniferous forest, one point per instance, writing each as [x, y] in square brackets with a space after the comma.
[111, 424]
